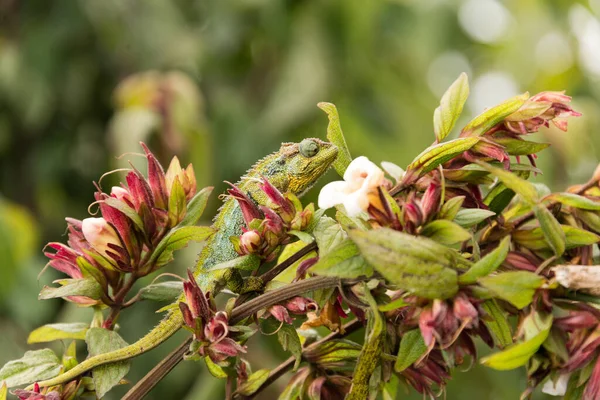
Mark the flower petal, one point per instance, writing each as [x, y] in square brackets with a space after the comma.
[332, 194]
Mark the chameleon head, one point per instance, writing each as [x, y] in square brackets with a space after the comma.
[307, 161]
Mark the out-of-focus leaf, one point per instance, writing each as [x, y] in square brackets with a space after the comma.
[290, 341]
[517, 147]
[487, 264]
[344, 261]
[450, 208]
[516, 287]
[520, 186]
[530, 110]
[551, 229]
[336, 136]
[69, 358]
[486, 120]
[3, 391]
[497, 323]
[591, 219]
[445, 232]
[294, 388]
[254, 382]
[498, 198]
[518, 354]
[214, 369]
[534, 238]
[196, 206]
[177, 239]
[72, 287]
[412, 347]
[393, 170]
[100, 341]
[472, 216]
[392, 305]
[439, 153]
[574, 200]
[416, 264]
[51, 332]
[163, 291]
[34, 366]
[451, 106]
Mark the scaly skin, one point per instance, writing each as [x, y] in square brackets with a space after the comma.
[288, 170]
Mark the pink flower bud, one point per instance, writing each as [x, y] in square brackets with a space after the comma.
[301, 305]
[250, 241]
[156, 179]
[285, 206]
[217, 328]
[280, 313]
[102, 237]
[464, 310]
[430, 202]
[250, 210]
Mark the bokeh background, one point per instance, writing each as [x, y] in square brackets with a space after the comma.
[222, 83]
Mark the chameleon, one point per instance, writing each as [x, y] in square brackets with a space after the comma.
[294, 168]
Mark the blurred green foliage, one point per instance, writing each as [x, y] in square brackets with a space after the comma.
[222, 83]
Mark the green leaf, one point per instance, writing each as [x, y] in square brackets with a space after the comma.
[69, 358]
[574, 200]
[51, 332]
[336, 351]
[344, 261]
[412, 348]
[303, 236]
[487, 264]
[498, 198]
[214, 369]
[591, 219]
[534, 238]
[416, 264]
[393, 305]
[127, 210]
[489, 118]
[450, 208]
[34, 366]
[516, 287]
[472, 216]
[336, 136]
[100, 341]
[328, 234]
[520, 186]
[529, 111]
[295, 387]
[519, 354]
[451, 106]
[72, 287]
[497, 323]
[290, 341]
[551, 229]
[518, 147]
[196, 206]
[177, 239]
[177, 203]
[254, 382]
[445, 232]
[164, 291]
[439, 153]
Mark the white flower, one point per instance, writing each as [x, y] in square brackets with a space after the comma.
[558, 388]
[361, 179]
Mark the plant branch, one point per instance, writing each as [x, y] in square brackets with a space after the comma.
[239, 313]
[287, 365]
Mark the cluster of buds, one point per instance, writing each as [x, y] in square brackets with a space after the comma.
[537, 111]
[417, 212]
[314, 385]
[579, 333]
[296, 305]
[135, 217]
[212, 333]
[267, 226]
[68, 391]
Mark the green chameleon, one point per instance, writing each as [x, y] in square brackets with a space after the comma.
[295, 168]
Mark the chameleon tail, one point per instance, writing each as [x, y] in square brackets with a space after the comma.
[165, 329]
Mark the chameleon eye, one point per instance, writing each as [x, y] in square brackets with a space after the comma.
[309, 148]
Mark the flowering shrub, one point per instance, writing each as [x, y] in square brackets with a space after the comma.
[456, 249]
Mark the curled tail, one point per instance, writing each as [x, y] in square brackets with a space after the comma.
[165, 329]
